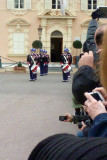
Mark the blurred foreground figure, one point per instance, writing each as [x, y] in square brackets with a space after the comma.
[70, 147]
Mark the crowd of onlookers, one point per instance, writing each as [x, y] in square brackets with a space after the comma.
[90, 142]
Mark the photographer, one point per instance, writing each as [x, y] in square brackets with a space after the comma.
[87, 78]
[97, 109]
[84, 122]
[82, 80]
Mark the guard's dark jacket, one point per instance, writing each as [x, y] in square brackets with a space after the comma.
[41, 59]
[63, 59]
[69, 58]
[29, 60]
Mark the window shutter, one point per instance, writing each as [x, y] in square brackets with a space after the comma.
[9, 4]
[100, 3]
[18, 43]
[67, 4]
[84, 5]
[27, 4]
[48, 4]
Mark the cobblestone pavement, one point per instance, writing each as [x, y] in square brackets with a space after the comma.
[29, 112]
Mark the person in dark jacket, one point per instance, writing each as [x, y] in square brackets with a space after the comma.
[30, 62]
[64, 62]
[87, 61]
[69, 58]
[97, 109]
[41, 62]
[84, 81]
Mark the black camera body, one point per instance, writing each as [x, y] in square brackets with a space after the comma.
[101, 12]
[78, 119]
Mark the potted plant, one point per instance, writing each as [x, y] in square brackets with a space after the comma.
[78, 45]
[20, 67]
[37, 44]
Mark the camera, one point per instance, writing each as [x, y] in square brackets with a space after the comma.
[62, 118]
[97, 95]
[77, 119]
[101, 12]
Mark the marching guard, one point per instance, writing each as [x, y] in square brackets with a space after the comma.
[46, 63]
[69, 58]
[32, 65]
[64, 65]
[41, 62]
[35, 57]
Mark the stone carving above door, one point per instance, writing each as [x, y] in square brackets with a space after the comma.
[39, 5]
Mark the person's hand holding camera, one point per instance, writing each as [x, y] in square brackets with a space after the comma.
[103, 93]
[83, 126]
[93, 107]
[69, 117]
[87, 59]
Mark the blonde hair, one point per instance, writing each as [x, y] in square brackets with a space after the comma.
[103, 65]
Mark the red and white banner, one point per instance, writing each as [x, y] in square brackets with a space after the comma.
[63, 6]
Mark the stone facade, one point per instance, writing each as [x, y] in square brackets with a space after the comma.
[40, 13]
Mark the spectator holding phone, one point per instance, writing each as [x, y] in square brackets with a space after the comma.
[97, 109]
[86, 72]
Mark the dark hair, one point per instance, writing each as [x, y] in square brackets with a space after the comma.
[70, 147]
[84, 80]
[100, 34]
[94, 15]
[99, 37]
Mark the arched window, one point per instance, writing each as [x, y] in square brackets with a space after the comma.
[55, 4]
[92, 4]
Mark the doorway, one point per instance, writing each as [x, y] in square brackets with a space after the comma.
[56, 46]
[56, 49]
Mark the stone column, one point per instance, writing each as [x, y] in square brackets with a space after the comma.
[69, 45]
[43, 37]
[48, 44]
[65, 40]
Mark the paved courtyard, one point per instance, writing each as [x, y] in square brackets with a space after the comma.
[29, 112]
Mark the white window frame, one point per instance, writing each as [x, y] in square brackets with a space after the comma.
[56, 5]
[19, 4]
[18, 43]
[92, 4]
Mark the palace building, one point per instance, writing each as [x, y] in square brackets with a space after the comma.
[21, 19]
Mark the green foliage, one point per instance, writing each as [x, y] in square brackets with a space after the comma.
[19, 64]
[37, 44]
[77, 44]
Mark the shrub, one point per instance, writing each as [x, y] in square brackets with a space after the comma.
[19, 64]
[37, 44]
[77, 44]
